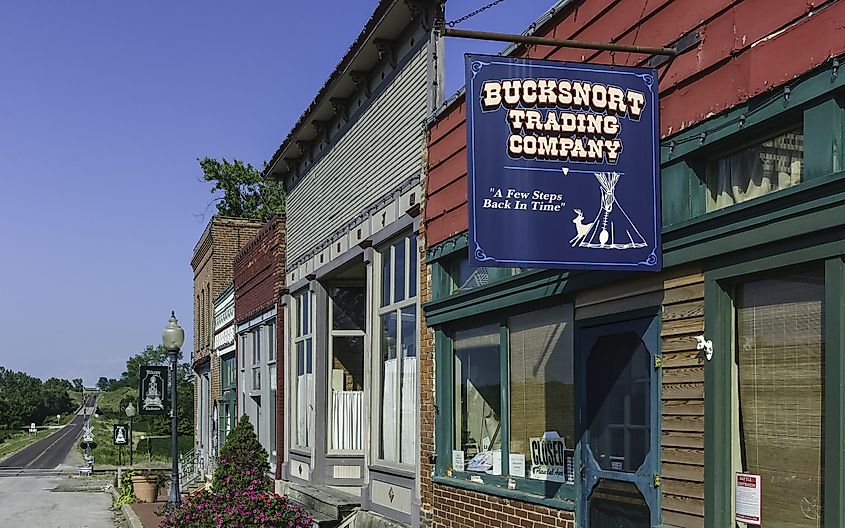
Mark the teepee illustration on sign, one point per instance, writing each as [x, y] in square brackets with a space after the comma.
[612, 227]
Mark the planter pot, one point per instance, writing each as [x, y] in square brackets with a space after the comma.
[145, 487]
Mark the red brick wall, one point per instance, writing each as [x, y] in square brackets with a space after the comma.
[212, 263]
[259, 271]
[459, 508]
[747, 47]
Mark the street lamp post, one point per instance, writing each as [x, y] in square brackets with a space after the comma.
[130, 412]
[173, 338]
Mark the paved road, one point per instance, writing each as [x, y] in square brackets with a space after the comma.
[52, 502]
[49, 452]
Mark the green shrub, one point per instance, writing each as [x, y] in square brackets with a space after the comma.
[159, 446]
[242, 462]
[126, 489]
[6, 433]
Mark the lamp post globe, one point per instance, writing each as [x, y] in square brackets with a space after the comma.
[174, 336]
[172, 339]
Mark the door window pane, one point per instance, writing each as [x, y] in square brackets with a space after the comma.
[780, 362]
[618, 401]
[478, 390]
[347, 392]
[541, 378]
[347, 308]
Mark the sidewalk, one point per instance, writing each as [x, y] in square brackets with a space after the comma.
[145, 514]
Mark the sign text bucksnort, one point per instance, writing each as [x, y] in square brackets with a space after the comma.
[547, 133]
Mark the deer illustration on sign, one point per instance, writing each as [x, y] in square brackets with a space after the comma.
[581, 229]
[612, 228]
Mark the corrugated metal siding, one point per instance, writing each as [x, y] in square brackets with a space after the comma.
[381, 150]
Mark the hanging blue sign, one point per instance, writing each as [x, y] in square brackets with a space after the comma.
[563, 165]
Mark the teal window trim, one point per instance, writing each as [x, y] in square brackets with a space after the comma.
[528, 490]
[718, 386]
[447, 248]
[756, 111]
[834, 393]
[567, 504]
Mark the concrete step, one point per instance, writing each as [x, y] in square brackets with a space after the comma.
[323, 501]
[322, 521]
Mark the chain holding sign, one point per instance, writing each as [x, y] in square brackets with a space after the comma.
[563, 165]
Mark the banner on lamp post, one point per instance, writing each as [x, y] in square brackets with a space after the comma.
[120, 434]
[152, 390]
[563, 165]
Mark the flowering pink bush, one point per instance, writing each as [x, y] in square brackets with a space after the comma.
[241, 496]
[249, 508]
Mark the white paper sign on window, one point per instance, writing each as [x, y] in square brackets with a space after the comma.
[517, 465]
[458, 460]
[551, 460]
[748, 498]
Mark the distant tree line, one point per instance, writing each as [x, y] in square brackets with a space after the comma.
[25, 399]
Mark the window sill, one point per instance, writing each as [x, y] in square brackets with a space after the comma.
[492, 489]
[345, 454]
[303, 452]
[408, 472]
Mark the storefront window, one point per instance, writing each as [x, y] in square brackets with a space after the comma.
[780, 366]
[398, 346]
[542, 390]
[755, 171]
[464, 277]
[478, 396]
[303, 344]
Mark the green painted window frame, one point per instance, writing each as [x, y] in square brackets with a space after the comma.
[528, 490]
[816, 100]
[719, 321]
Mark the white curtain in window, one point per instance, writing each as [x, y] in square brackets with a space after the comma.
[304, 407]
[408, 440]
[389, 426]
[759, 170]
[347, 411]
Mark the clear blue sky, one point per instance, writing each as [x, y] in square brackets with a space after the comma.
[104, 108]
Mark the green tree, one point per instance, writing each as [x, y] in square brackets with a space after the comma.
[245, 193]
[103, 383]
[78, 385]
[151, 355]
[25, 399]
[242, 460]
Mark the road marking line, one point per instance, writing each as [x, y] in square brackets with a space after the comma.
[72, 427]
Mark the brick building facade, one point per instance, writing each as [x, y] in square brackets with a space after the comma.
[259, 273]
[211, 262]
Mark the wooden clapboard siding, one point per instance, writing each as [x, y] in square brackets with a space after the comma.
[382, 149]
[682, 416]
